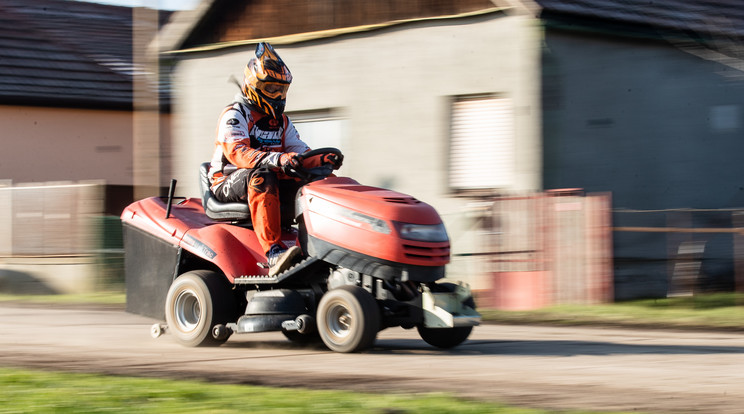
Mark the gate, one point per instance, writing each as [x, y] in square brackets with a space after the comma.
[550, 248]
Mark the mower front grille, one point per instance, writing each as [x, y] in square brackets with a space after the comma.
[426, 252]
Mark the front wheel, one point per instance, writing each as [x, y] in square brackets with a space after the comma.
[446, 338]
[196, 302]
[348, 319]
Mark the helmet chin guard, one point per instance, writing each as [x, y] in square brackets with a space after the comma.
[266, 81]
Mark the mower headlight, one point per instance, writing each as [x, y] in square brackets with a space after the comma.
[348, 216]
[423, 232]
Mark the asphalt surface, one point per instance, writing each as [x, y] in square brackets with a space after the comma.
[548, 367]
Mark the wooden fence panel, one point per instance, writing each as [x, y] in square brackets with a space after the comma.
[51, 219]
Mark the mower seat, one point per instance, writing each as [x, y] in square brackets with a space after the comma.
[217, 210]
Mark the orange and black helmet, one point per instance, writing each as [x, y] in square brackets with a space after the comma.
[266, 81]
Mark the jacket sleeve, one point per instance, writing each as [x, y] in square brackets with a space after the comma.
[293, 143]
[233, 136]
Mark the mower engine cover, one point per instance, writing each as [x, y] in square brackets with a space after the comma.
[373, 230]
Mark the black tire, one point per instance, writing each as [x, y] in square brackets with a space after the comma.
[348, 319]
[196, 302]
[446, 338]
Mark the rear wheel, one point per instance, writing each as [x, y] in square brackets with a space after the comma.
[196, 302]
[348, 319]
[446, 337]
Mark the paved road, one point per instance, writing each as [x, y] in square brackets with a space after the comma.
[555, 367]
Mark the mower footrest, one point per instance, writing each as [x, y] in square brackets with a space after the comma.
[295, 270]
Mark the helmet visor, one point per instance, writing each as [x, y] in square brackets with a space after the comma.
[273, 90]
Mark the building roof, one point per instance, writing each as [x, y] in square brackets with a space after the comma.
[170, 46]
[702, 19]
[225, 23]
[66, 53]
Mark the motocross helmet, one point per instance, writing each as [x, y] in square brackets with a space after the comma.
[266, 81]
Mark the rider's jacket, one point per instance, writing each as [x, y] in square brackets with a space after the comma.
[250, 139]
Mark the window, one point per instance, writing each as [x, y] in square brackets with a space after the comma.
[319, 129]
[725, 118]
[482, 146]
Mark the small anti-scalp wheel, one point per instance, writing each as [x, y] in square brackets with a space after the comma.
[348, 319]
[157, 330]
[306, 334]
[196, 302]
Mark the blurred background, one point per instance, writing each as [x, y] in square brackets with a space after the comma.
[579, 151]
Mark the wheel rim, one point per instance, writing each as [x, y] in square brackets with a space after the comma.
[187, 310]
[339, 321]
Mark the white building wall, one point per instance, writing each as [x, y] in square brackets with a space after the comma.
[395, 87]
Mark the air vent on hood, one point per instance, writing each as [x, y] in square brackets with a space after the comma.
[401, 200]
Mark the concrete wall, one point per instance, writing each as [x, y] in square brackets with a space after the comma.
[660, 128]
[394, 86]
[65, 144]
[49, 275]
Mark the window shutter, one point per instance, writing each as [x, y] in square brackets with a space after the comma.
[482, 149]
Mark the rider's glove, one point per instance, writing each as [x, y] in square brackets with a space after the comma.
[289, 161]
[336, 160]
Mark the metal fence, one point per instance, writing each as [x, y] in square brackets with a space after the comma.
[678, 251]
[550, 248]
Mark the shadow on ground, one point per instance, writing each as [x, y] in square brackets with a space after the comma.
[21, 283]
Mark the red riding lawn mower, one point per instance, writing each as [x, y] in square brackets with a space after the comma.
[372, 259]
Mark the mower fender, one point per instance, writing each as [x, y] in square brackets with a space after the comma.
[233, 249]
[448, 309]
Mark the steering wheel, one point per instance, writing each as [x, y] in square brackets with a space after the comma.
[315, 173]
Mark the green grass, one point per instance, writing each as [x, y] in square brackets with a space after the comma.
[713, 311]
[24, 391]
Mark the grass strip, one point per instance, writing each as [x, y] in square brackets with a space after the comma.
[26, 391]
[723, 311]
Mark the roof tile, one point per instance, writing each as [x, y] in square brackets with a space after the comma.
[62, 52]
